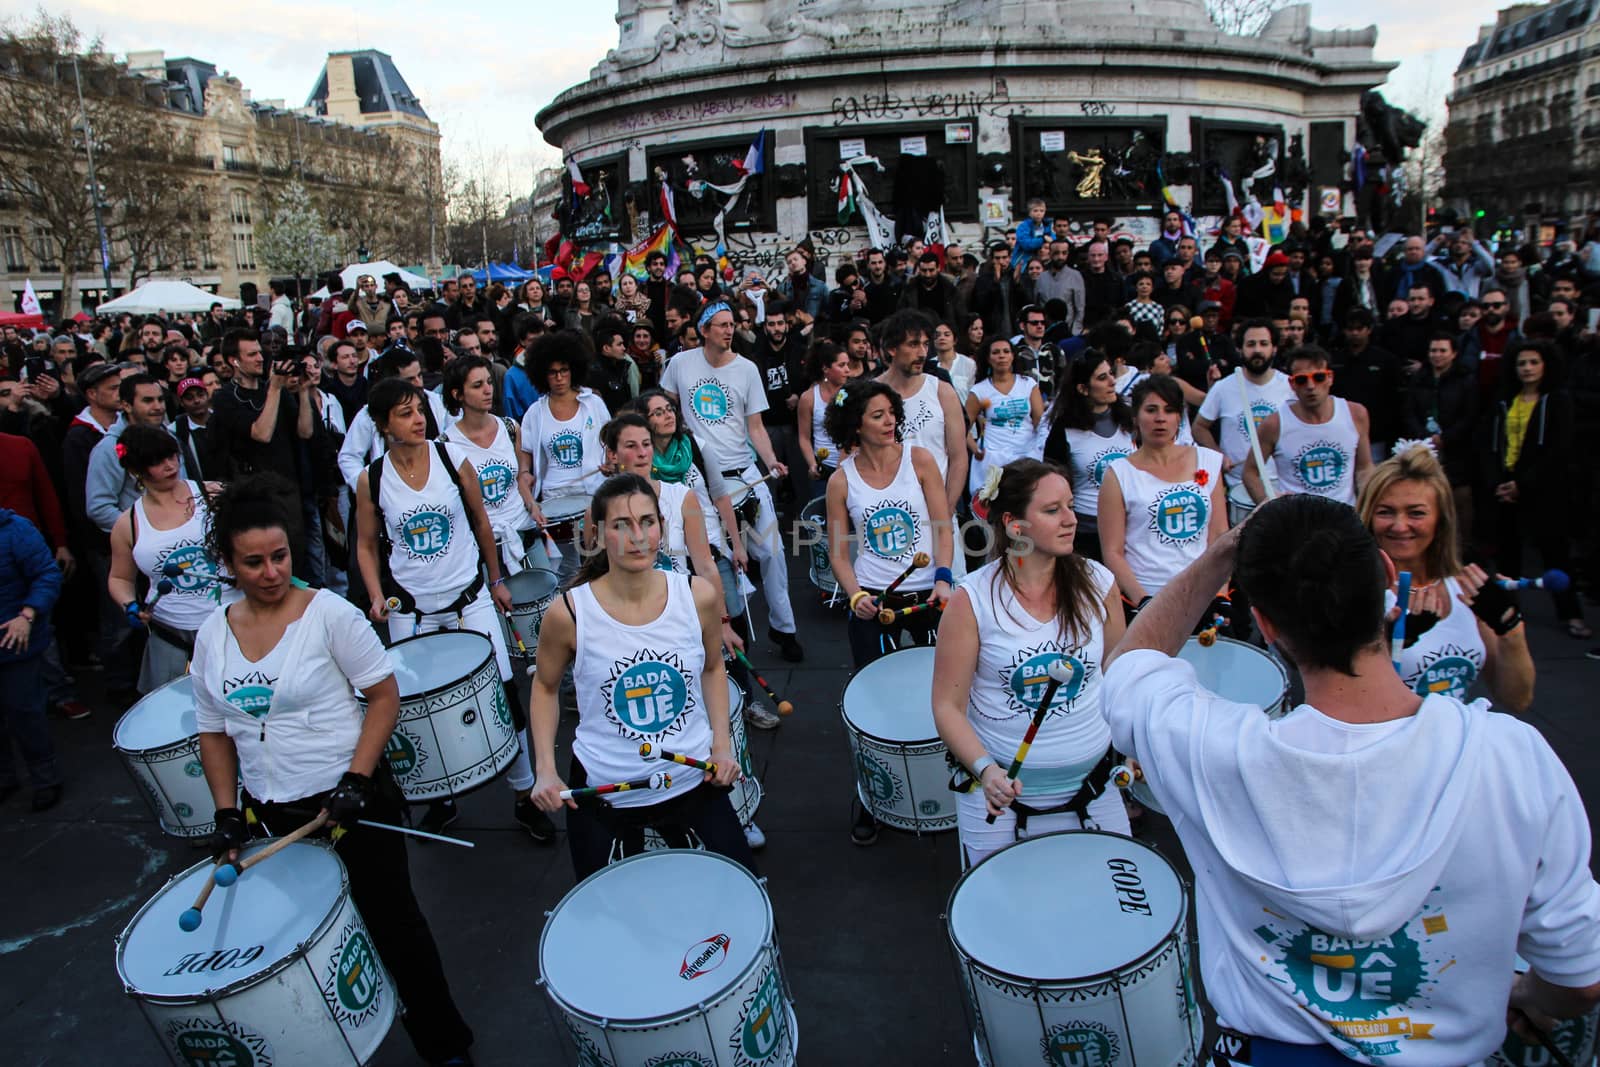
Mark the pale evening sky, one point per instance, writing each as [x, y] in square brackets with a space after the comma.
[483, 74]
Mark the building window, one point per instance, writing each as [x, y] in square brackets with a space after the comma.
[208, 253]
[244, 251]
[16, 251]
[240, 201]
[686, 166]
[230, 157]
[941, 170]
[1083, 165]
[44, 249]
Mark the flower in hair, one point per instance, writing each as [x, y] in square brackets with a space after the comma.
[991, 484]
[122, 450]
[839, 398]
[1405, 444]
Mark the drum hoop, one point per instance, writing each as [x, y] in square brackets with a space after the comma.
[560, 517]
[289, 959]
[897, 743]
[1283, 691]
[186, 679]
[967, 957]
[769, 949]
[154, 752]
[406, 698]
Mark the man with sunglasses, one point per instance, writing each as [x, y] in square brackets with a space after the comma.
[1035, 355]
[1317, 443]
[1483, 348]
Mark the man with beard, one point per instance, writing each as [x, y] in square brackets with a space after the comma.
[933, 414]
[214, 325]
[1483, 349]
[152, 344]
[1220, 424]
[467, 303]
[1523, 289]
[929, 291]
[1102, 290]
[1371, 376]
[882, 287]
[1061, 281]
[657, 286]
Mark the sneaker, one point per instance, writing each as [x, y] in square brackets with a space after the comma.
[71, 709]
[1593, 653]
[440, 813]
[536, 822]
[787, 644]
[865, 829]
[761, 717]
[755, 838]
[46, 798]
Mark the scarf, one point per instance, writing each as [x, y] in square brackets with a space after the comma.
[672, 462]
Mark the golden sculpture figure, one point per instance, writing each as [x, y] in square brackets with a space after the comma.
[1092, 163]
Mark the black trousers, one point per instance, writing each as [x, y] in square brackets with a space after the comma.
[706, 810]
[1549, 535]
[871, 639]
[380, 886]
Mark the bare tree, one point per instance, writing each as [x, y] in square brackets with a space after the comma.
[1242, 18]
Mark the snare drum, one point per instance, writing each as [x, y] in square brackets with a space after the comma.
[746, 795]
[160, 745]
[563, 515]
[644, 974]
[1237, 671]
[532, 591]
[455, 729]
[1096, 970]
[282, 969]
[901, 774]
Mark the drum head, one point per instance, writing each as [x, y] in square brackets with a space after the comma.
[1237, 671]
[654, 935]
[162, 718]
[892, 698]
[245, 930]
[533, 586]
[433, 661]
[565, 508]
[1110, 901]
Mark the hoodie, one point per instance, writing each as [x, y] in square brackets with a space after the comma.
[1365, 886]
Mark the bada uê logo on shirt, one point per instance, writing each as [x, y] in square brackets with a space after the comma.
[710, 400]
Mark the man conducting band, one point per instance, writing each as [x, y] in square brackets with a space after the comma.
[1369, 866]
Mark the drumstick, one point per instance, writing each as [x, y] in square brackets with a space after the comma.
[1555, 581]
[824, 452]
[1060, 673]
[1208, 636]
[521, 647]
[784, 707]
[228, 873]
[921, 559]
[655, 781]
[889, 615]
[417, 833]
[1560, 1058]
[767, 477]
[189, 921]
[1122, 775]
[1397, 641]
[650, 752]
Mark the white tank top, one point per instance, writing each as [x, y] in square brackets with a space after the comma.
[434, 556]
[1317, 458]
[497, 476]
[673, 555]
[639, 683]
[1449, 657]
[925, 421]
[1166, 521]
[893, 525]
[819, 433]
[1088, 457]
[193, 597]
[1009, 430]
[1014, 651]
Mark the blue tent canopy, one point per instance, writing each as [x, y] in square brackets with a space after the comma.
[501, 272]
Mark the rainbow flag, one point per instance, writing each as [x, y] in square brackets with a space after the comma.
[660, 241]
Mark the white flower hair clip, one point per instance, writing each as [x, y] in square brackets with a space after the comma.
[1405, 444]
[991, 484]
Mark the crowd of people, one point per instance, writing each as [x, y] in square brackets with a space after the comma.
[1033, 446]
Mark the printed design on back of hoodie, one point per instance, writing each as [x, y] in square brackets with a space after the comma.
[1372, 995]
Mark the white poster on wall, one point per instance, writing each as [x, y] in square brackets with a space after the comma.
[851, 147]
[1052, 140]
[913, 146]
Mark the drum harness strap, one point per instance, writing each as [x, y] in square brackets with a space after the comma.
[1094, 785]
[408, 603]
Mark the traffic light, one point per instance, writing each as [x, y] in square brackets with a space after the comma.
[1478, 214]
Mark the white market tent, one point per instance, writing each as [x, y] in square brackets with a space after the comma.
[378, 269]
[164, 295]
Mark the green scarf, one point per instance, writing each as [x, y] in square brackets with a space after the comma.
[672, 462]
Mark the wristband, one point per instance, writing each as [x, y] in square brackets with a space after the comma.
[856, 598]
[726, 619]
[942, 574]
[497, 581]
[983, 763]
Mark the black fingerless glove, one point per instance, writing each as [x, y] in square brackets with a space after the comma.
[348, 801]
[1497, 607]
[1221, 612]
[232, 832]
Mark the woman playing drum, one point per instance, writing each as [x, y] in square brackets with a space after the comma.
[1088, 428]
[490, 444]
[645, 652]
[423, 535]
[1460, 626]
[274, 681]
[163, 531]
[1034, 605]
[1161, 506]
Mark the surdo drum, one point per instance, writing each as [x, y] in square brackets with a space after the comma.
[281, 972]
[455, 730]
[160, 745]
[746, 795]
[1237, 671]
[814, 533]
[1094, 971]
[901, 774]
[532, 591]
[669, 958]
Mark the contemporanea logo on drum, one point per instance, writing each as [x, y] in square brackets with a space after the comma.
[705, 956]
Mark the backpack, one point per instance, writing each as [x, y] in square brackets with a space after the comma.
[386, 580]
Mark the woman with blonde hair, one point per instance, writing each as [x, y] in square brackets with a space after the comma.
[1460, 625]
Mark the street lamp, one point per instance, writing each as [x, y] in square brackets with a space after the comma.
[94, 186]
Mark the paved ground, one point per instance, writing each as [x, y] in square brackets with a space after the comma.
[860, 929]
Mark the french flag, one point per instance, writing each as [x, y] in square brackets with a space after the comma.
[579, 186]
[755, 160]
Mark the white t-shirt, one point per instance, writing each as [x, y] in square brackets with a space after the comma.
[716, 401]
[1089, 455]
[1224, 405]
[893, 523]
[1359, 885]
[434, 555]
[566, 453]
[193, 596]
[363, 443]
[292, 715]
[925, 421]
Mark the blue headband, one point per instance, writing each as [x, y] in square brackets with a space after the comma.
[710, 312]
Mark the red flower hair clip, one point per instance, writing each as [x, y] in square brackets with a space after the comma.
[122, 450]
[1201, 477]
